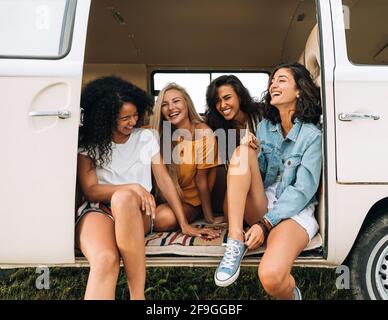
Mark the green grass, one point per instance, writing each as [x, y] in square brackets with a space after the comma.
[168, 284]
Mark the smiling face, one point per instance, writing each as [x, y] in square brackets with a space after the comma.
[126, 121]
[174, 107]
[283, 90]
[228, 103]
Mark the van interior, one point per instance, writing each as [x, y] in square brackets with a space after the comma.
[133, 39]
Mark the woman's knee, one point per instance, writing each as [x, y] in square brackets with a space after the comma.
[272, 278]
[124, 197]
[244, 150]
[106, 263]
[125, 202]
[242, 156]
[165, 220]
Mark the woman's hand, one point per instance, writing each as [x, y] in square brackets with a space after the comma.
[251, 141]
[148, 205]
[203, 233]
[215, 220]
[254, 237]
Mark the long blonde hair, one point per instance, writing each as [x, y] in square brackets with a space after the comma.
[156, 123]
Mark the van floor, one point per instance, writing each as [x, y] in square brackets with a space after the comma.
[173, 248]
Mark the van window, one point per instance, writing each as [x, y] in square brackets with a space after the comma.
[35, 28]
[196, 83]
[366, 28]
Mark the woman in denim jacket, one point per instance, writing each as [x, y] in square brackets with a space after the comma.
[272, 181]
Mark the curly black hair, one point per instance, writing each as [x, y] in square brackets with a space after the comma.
[101, 101]
[308, 106]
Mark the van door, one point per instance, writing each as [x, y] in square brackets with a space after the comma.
[361, 95]
[41, 61]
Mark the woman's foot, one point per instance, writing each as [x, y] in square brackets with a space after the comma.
[229, 267]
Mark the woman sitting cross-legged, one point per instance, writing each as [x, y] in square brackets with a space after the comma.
[194, 156]
[272, 187]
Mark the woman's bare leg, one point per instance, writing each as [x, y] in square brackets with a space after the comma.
[165, 219]
[95, 236]
[129, 230]
[225, 207]
[246, 198]
[284, 244]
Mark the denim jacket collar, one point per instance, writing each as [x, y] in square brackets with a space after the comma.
[275, 127]
[294, 132]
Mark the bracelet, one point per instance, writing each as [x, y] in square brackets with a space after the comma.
[264, 227]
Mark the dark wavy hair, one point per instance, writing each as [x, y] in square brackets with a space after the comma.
[213, 118]
[308, 106]
[101, 101]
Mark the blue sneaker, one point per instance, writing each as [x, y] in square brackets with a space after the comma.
[297, 294]
[229, 267]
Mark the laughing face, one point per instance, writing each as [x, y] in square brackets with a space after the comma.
[228, 103]
[283, 90]
[174, 107]
[126, 121]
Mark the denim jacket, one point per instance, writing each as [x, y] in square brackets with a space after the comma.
[297, 159]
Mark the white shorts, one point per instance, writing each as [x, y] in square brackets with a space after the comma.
[305, 218]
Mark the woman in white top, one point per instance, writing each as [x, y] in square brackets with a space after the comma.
[115, 161]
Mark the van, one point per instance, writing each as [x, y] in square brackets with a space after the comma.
[49, 49]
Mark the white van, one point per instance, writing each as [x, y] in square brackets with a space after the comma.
[48, 49]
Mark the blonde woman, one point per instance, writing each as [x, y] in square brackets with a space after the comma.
[193, 150]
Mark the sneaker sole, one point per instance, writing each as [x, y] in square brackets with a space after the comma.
[227, 282]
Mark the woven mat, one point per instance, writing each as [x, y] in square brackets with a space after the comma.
[177, 243]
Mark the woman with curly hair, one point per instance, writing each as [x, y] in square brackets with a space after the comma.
[196, 154]
[274, 191]
[115, 161]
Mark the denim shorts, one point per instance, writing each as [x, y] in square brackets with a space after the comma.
[99, 207]
[102, 208]
[305, 218]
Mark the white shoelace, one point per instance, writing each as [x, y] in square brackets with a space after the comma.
[230, 255]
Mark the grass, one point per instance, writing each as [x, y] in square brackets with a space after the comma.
[167, 284]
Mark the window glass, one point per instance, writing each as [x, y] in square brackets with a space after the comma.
[196, 84]
[255, 82]
[366, 28]
[34, 28]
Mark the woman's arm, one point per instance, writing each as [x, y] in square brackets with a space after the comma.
[95, 192]
[92, 190]
[167, 187]
[296, 196]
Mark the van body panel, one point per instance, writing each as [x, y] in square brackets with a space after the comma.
[38, 183]
[353, 204]
[359, 90]
[356, 176]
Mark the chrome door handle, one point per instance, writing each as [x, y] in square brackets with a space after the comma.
[61, 114]
[357, 116]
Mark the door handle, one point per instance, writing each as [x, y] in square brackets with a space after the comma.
[61, 114]
[357, 116]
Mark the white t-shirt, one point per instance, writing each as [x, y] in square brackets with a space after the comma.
[131, 161]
